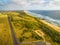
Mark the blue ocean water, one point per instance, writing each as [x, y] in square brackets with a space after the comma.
[52, 17]
[55, 14]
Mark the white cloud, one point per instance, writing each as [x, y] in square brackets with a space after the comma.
[54, 4]
[33, 4]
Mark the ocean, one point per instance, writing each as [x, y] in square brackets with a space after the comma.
[50, 16]
[55, 14]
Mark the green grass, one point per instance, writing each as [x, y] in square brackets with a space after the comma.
[24, 26]
[5, 34]
[54, 35]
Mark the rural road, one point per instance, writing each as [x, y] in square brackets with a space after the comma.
[12, 32]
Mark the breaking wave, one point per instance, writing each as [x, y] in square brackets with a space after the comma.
[47, 18]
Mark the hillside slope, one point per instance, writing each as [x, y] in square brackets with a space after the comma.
[30, 29]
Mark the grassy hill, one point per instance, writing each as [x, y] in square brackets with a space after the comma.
[31, 29]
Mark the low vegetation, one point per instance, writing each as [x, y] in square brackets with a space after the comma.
[24, 26]
[5, 34]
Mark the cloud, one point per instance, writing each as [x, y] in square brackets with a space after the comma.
[36, 4]
[31, 4]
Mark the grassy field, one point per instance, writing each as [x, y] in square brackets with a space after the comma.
[50, 31]
[27, 29]
[5, 34]
[23, 27]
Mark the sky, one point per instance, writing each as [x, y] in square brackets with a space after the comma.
[29, 4]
